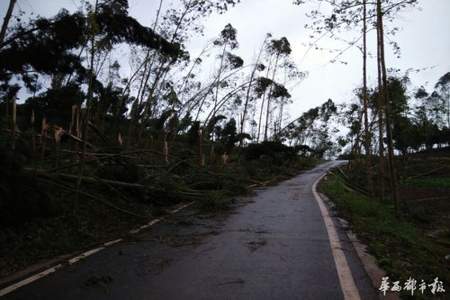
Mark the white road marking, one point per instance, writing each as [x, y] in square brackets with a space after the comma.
[346, 281]
[181, 207]
[151, 223]
[107, 244]
[154, 221]
[83, 255]
[28, 280]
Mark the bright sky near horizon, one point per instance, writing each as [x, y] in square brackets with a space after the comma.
[423, 38]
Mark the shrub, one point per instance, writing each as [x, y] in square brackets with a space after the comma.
[277, 151]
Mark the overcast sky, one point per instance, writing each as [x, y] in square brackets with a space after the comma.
[424, 40]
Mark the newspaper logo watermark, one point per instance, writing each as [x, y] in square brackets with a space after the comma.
[412, 286]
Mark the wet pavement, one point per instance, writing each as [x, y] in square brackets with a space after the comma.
[272, 245]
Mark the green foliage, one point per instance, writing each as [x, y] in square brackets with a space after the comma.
[227, 37]
[274, 150]
[280, 47]
[279, 91]
[262, 83]
[45, 45]
[234, 61]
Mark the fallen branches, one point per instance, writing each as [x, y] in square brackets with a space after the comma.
[103, 201]
[93, 180]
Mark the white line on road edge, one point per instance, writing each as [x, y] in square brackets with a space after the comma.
[346, 281]
[107, 244]
[28, 280]
[181, 207]
[83, 255]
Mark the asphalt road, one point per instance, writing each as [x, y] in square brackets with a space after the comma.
[273, 245]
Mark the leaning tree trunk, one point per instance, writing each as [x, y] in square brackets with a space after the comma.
[262, 104]
[382, 65]
[160, 70]
[216, 96]
[269, 98]
[281, 111]
[247, 98]
[2, 37]
[85, 125]
[6, 20]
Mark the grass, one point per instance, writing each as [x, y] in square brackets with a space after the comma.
[429, 182]
[400, 245]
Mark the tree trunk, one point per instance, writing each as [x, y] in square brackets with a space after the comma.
[166, 149]
[247, 98]
[262, 103]
[14, 122]
[269, 98]
[382, 65]
[280, 115]
[33, 134]
[380, 106]
[280, 118]
[88, 106]
[8, 15]
[366, 100]
[200, 147]
[216, 97]
[161, 68]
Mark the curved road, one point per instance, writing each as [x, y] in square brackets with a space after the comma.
[273, 245]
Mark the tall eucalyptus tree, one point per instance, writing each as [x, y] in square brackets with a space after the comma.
[278, 48]
[257, 67]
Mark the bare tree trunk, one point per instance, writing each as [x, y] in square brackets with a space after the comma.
[6, 19]
[382, 62]
[281, 111]
[166, 148]
[269, 98]
[148, 64]
[280, 118]
[448, 109]
[262, 104]
[44, 129]
[14, 122]
[88, 106]
[216, 97]
[366, 100]
[33, 133]
[260, 117]
[2, 37]
[247, 98]
[380, 107]
[161, 68]
[200, 147]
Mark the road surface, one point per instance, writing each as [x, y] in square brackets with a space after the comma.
[273, 245]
